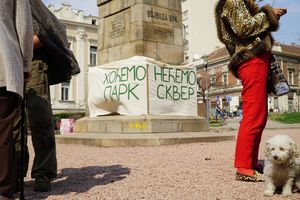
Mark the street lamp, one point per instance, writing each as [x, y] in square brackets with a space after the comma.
[298, 94]
[270, 106]
[205, 59]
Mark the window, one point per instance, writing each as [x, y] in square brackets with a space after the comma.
[291, 105]
[291, 76]
[186, 29]
[93, 55]
[212, 80]
[65, 87]
[185, 15]
[225, 79]
[94, 21]
[276, 103]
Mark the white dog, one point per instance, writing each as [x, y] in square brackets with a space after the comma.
[281, 168]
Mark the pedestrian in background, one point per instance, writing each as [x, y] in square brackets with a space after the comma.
[240, 111]
[245, 29]
[15, 57]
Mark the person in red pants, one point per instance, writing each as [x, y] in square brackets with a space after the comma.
[245, 29]
[253, 74]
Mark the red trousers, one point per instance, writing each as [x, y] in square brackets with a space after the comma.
[253, 74]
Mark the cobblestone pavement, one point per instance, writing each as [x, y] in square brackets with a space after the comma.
[177, 172]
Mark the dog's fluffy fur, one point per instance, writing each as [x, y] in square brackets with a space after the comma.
[281, 168]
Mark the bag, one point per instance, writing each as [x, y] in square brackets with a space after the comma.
[61, 61]
[277, 84]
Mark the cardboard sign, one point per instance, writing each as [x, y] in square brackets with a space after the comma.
[139, 85]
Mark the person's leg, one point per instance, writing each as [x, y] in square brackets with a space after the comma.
[40, 118]
[255, 164]
[8, 103]
[17, 140]
[254, 79]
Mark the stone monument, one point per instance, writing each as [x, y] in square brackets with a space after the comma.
[150, 28]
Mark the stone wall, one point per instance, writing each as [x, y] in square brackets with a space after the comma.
[151, 28]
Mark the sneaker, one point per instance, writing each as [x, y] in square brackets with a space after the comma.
[42, 184]
[257, 177]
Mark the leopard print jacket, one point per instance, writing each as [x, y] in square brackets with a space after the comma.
[245, 29]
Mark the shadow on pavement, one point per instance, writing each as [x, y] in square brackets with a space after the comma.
[79, 180]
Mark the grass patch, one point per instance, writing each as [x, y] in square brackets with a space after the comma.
[288, 118]
[214, 123]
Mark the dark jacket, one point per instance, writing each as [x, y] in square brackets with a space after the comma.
[52, 33]
[245, 29]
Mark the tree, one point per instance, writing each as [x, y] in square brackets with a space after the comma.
[214, 80]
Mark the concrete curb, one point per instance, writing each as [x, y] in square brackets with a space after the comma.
[126, 140]
[216, 134]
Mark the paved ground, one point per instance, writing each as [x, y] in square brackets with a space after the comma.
[233, 124]
[177, 172]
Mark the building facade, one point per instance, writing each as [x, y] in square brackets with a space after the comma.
[216, 84]
[225, 89]
[199, 28]
[82, 33]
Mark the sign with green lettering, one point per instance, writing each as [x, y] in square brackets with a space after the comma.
[140, 85]
[172, 84]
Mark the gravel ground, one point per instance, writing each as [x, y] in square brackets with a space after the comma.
[198, 171]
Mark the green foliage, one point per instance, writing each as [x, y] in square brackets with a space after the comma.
[215, 123]
[68, 115]
[288, 118]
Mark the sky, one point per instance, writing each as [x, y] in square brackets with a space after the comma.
[88, 6]
[289, 31]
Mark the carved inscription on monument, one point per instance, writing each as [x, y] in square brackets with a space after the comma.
[117, 27]
[158, 33]
[162, 16]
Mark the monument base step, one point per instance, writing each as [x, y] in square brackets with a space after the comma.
[126, 140]
[141, 124]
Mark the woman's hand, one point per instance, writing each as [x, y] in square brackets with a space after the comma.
[36, 42]
[27, 76]
[279, 11]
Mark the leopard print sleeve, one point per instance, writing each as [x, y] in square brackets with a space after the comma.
[243, 23]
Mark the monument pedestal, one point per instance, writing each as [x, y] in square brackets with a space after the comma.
[141, 124]
[141, 130]
[157, 102]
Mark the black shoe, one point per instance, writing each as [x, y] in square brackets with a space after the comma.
[260, 166]
[42, 184]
